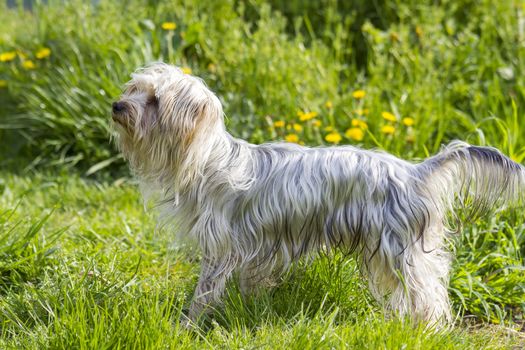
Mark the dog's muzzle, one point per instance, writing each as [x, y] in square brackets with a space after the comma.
[118, 107]
[119, 110]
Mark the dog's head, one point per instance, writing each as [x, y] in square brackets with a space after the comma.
[161, 113]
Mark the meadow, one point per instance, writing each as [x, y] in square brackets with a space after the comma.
[82, 263]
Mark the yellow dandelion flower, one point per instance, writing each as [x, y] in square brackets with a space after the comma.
[333, 137]
[169, 26]
[292, 138]
[3, 83]
[186, 70]
[355, 134]
[359, 124]
[419, 31]
[298, 127]
[28, 64]
[408, 121]
[304, 116]
[7, 56]
[394, 37]
[358, 94]
[388, 129]
[328, 104]
[389, 116]
[43, 53]
[316, 123]
[361, 111]
[278, 123]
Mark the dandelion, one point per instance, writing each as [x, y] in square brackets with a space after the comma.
[292, 138]
[355, 134]
[169, 26]
[357, 123]
[278, 123]
[186, 70]
[388, 129]
[389, 116]
[361, 111]
[303, 116]
[28, 64]
[43, 53]
[328, 104]
[297, 127]
[7, 56]
[3, 83]
[316, 123]
[419, 31]
[358, 94]
[394, 37]
[408, 121]
[333, 137]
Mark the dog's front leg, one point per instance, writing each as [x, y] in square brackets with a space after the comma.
[212, 281]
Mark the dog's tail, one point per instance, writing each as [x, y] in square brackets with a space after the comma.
[479, 179]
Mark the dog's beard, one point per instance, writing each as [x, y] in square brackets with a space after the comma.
[256, 209]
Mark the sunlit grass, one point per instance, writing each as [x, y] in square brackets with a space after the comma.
[83, 267]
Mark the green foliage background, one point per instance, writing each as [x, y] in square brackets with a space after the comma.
[453, 66]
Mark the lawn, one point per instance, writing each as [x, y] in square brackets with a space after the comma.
[83, 264]
[84, 267]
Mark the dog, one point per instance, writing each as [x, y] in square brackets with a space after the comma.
[255, 209]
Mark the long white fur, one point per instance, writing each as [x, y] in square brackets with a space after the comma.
[255, 209]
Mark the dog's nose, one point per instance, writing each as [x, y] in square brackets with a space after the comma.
[118, 107]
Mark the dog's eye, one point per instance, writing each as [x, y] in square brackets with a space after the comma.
[152, 100]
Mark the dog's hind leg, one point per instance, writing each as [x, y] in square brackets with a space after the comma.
[412, 276]
[249, 278]
[257, 274]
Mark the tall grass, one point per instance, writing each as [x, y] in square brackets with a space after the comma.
[94, 273]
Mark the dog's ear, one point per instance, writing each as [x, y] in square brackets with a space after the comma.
[151, 110]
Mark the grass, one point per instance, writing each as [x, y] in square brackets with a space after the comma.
[83, 267]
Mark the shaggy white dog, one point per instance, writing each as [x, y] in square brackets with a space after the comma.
[254, 209]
